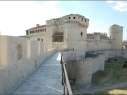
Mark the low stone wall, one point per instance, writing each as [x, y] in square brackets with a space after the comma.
[81, 71]
[87, 67]
[115, 53]
[21, 59]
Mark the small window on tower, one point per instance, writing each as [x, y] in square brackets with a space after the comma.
[81, 34]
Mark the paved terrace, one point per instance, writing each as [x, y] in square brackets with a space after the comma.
[45, 81]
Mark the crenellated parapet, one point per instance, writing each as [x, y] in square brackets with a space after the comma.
[37, 29]
[70, 19]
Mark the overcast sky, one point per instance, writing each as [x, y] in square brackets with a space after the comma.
[17, 16]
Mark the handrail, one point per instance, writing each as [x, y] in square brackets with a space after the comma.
[65, 79]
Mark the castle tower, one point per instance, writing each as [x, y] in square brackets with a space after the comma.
[56, 33]
[71, 30]
[116, 33]
[76, 30]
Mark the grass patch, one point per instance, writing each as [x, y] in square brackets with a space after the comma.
[122, 91]
[115, 72]
[113, 92]
[98, 77]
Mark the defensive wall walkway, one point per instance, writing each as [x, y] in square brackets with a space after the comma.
[45, 81]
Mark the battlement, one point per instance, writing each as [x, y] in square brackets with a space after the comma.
[70, 19]
[116, 28]
[97, 36]
[37, 29]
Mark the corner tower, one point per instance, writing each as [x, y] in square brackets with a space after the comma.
[69, 30]
[76, 30]
[116, 33]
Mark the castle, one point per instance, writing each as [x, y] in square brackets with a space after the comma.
[70, 31]
[67, 33]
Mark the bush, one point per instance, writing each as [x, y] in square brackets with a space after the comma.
[124, 66]
[98, 76]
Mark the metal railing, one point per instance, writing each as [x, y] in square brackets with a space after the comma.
[65, 79]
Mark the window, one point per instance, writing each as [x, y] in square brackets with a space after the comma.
[85, 20]
[31, 31]
[73, 17]
[42, 40]
[82, 19]
[69, 17]
[58, 37]
[81, 34]
[19, 51]
[27, 32]
[40, 30]
[38, 39]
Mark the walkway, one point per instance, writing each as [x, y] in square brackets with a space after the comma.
[45, 81]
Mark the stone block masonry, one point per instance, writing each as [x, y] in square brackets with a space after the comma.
[19, 57]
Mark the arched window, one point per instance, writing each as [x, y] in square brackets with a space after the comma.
[69, 17]
[73, 17]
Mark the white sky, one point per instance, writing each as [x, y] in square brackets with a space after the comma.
[17, 16]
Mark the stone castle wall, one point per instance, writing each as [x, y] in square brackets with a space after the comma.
[98, 44]
[19, 57]
[82, 70]
[75, 38]
[71, 26]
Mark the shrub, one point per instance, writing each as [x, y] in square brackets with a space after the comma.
[98, 76]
